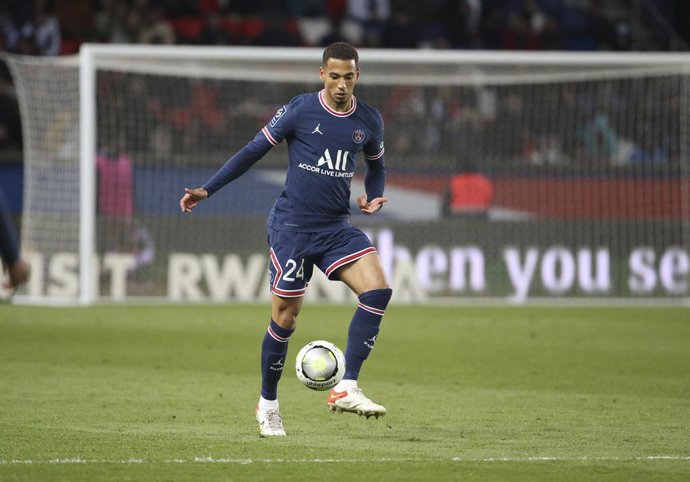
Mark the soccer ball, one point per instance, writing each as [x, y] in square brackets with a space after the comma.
[320, 365]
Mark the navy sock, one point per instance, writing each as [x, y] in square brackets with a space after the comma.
[364, 328]
[273, 351]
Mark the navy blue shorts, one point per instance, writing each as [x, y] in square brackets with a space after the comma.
[294, 255]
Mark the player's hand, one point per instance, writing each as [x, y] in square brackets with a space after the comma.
[191, 198]
[372, 206]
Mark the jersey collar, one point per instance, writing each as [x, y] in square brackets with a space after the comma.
[334, 112]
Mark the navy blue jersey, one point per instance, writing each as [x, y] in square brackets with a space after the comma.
[323, 147]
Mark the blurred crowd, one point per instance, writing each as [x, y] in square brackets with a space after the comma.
[59, 27]
[52, 27]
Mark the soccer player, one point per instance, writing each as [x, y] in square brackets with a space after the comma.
[309, 223]
[18, 269]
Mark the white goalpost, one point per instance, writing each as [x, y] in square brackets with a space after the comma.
[587, 155]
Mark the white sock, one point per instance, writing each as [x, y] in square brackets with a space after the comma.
[345, 385]
[267, 404]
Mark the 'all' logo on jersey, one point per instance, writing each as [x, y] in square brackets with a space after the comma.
[340, 160]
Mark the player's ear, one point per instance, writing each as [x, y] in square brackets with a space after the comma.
[322, 73]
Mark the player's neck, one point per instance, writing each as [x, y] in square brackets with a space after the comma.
[335, 106]
[342, 108]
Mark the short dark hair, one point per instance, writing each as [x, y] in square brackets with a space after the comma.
[340, 51]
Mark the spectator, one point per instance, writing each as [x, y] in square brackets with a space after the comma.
[372, 15]
[116, 199]
[492, 25]
[116, 208]
[47, 34]
[601, 28]
[26, 44]
[213, 31]
[551, 38]
[242, 8]
[155, 28]
[335, 34]
[276, 33]
[176, 8]
[400, 31]
[9, 34]
[43, 31]
[365, 11]
[600, 140]
[116, 23]
[469, 193]
[461, 20]
[535, 18]
[519, 35]
[306, 8]
[21, 12]
[336, 8]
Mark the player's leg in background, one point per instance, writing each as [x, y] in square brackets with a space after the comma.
[289, 273]
[288, 277]
[18, 269]
[274, 347]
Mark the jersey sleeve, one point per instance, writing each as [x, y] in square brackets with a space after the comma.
[238, 164]
[374, 148]
[278, 128]
[282, 124]
[375, 177]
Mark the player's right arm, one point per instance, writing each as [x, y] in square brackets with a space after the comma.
[238, 164]
[231, 170]
[273, 133]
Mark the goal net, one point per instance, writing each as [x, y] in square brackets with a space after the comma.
[511, 176]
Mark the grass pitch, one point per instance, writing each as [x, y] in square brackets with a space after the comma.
[167, 393]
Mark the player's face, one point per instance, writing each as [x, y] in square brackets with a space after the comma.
[339, 79]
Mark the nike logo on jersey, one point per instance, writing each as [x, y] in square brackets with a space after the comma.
[317, 129]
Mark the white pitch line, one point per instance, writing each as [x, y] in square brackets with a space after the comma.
[231, 461]
[584, 458]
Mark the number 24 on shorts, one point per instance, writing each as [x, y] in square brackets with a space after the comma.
[292, 272]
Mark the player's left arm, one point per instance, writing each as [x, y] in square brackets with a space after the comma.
[374, 184]
[375, 177]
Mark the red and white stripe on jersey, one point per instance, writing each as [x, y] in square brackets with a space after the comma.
[374, 157]
[371, 309]
[269, 137]
[279, 273]
[349, 259]
[335, 112]
[288, 293]
[276, 336]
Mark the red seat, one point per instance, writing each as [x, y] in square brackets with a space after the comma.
[252, 27]
[188, 28]
[208, 6]
[233, 26]
[71, 45]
